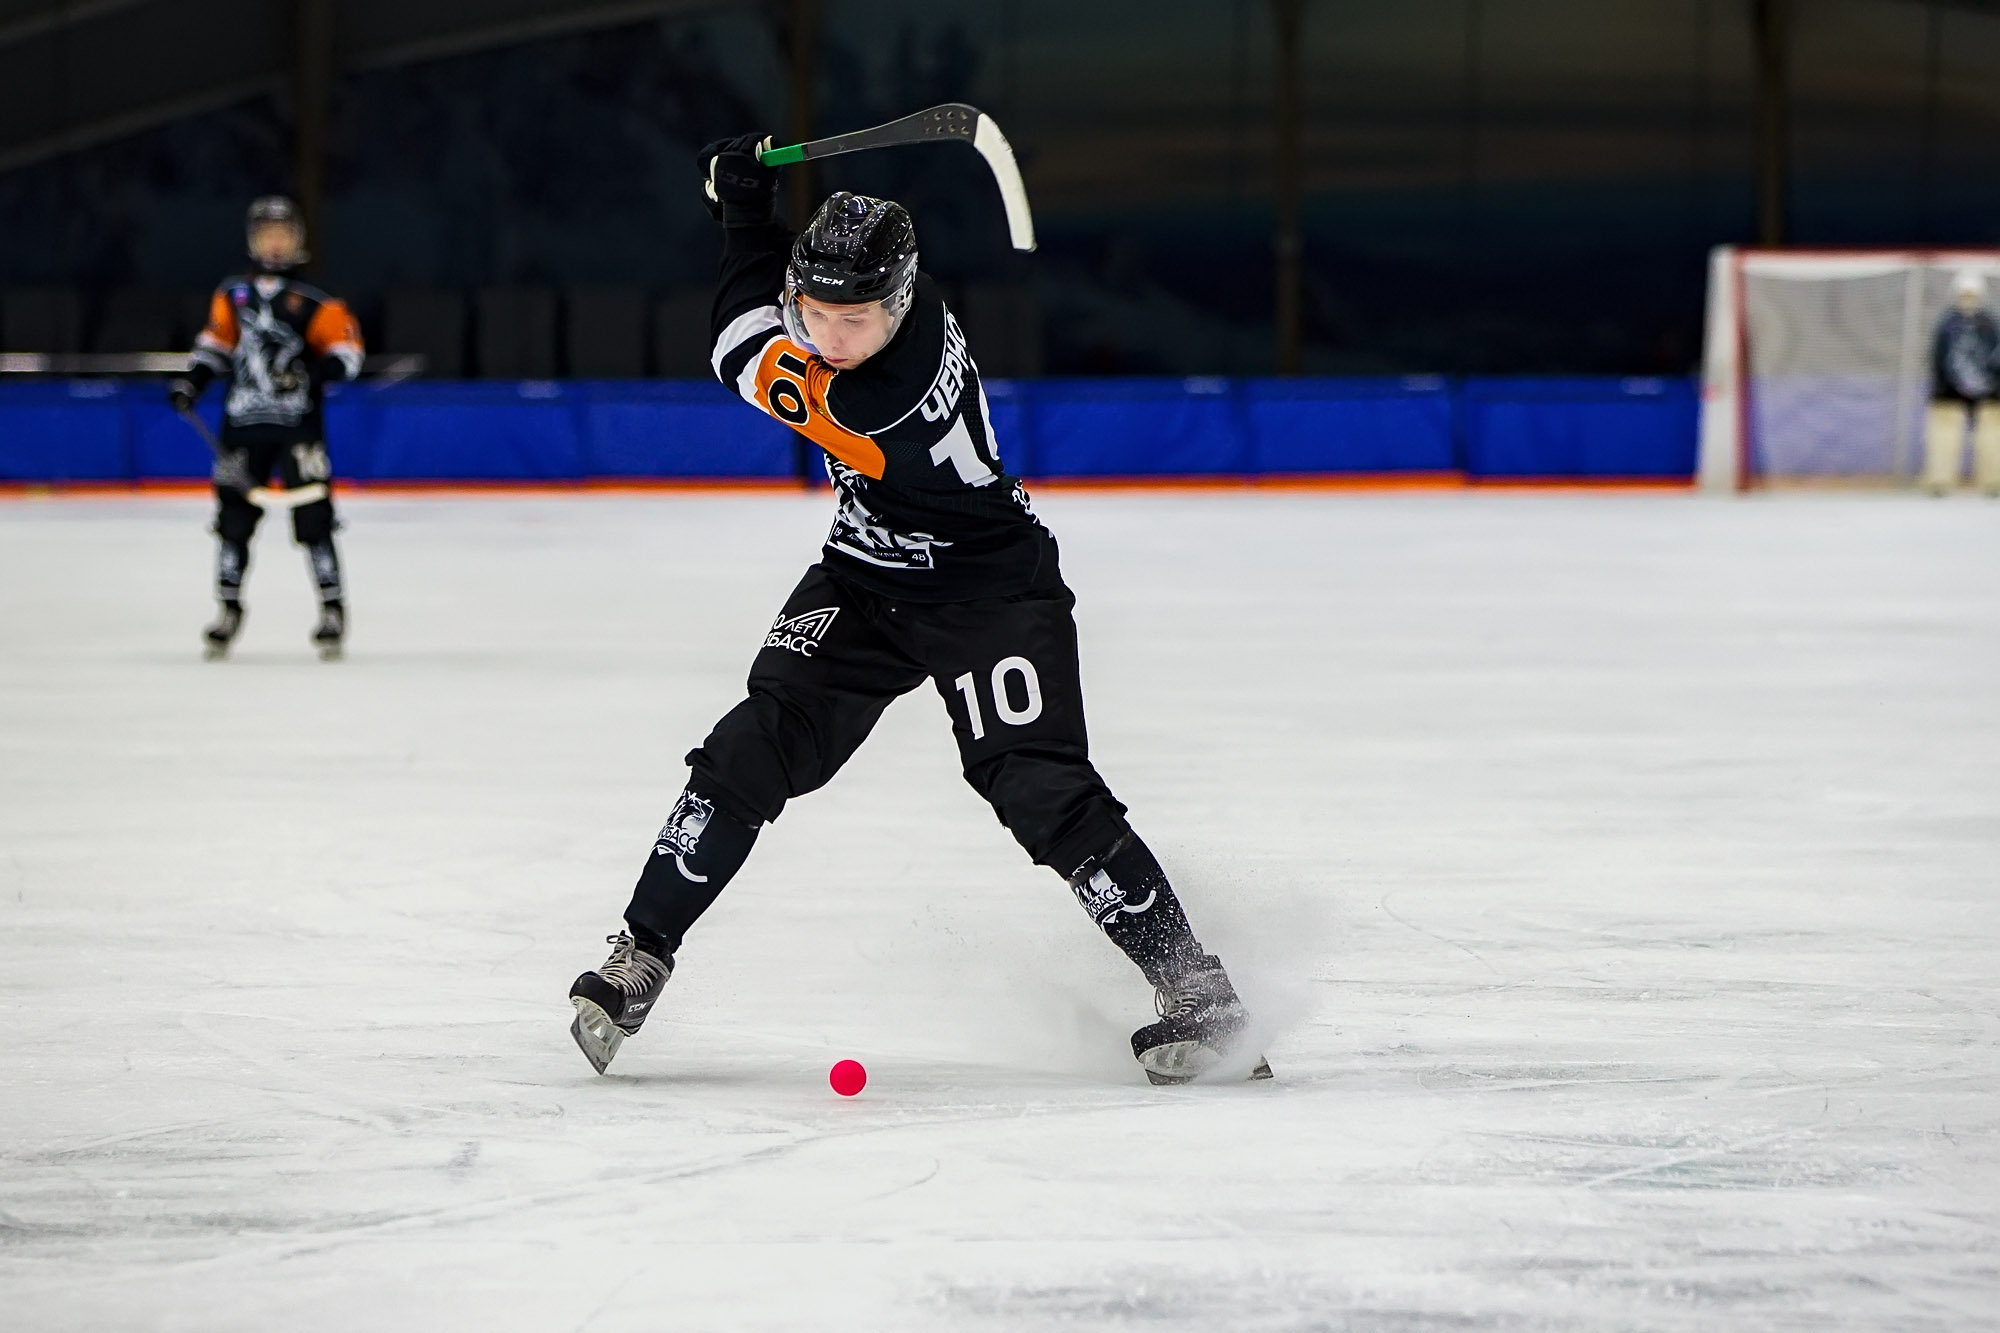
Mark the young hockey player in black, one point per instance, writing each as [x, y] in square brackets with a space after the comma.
[279, 342]
[935, 569]
[1965, 391]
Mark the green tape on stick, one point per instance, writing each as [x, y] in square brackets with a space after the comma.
[952, 120]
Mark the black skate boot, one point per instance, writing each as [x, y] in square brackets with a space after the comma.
[614, 1000]
[332, 628]
[215, 640]
[1200, 1022]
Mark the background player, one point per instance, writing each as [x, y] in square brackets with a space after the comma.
[935, 569]
[280, 342]
[1965, 387]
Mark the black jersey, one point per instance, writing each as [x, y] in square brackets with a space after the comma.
[1965, 356]
[927, 513]
[278, 341]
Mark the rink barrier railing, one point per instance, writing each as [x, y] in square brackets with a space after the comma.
[1387, 431]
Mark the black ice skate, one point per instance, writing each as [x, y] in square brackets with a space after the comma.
[1201, 1020]
[614, 1000]
[215, 640]
[332, 628]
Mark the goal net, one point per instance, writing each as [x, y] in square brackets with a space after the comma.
[1816, 366]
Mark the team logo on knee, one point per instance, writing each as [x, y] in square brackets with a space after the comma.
[801, 633]
[681, 834]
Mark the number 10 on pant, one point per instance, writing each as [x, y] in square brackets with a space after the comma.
[1003, 707]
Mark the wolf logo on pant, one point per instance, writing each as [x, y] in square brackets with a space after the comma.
[680, 837]
[1103, 898]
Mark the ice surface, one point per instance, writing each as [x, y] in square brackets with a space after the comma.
[1618, 874]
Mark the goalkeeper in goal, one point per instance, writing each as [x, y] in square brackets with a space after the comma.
[1965, 390]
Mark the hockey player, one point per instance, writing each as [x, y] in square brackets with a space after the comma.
[1965, 387]
[935, 569]
[279, 342]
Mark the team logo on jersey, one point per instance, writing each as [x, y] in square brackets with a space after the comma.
[801, 633]
[270, 386]
[1103, 899]
[857, 532]
[680, 836]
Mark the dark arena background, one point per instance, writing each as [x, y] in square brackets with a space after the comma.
[1529, 476]
[1463, 191]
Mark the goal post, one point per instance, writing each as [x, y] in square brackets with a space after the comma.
[1816, 363]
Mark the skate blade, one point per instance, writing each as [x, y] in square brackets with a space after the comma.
[1185, 1061]
[596, 1035]
[330, 652]
[214, 652]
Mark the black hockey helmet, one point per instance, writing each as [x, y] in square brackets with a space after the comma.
[857, 250]
[276, 209]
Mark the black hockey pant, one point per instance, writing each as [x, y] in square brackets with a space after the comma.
[236, 519]
[836, 657]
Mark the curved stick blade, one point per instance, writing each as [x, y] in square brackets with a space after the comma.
[952, 120]
[999, 155]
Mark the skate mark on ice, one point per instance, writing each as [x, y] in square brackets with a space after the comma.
[334, 1235]
[317, 1090]
[1540, 1078]
[97, 1146]
[1465, 949]
[937, 1165]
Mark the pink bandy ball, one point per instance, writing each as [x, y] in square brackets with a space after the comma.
[848, 1077]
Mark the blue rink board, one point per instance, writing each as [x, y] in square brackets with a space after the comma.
[555, 431]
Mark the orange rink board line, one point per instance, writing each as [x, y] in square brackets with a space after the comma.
[459, 489]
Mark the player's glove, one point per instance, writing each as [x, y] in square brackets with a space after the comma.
[739, 190]
[326, 370]
[181, 394]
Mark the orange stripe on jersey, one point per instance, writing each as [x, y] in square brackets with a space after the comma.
[221, 322]
[791, 386]
[330, 326]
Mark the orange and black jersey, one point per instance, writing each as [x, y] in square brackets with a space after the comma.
[279, 342]
[927, 513]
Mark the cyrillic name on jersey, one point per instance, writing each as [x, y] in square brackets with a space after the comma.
[950, 381]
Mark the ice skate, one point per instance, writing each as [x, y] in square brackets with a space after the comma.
[330, 630]
[215, 640]
[1200, 1020]
[614, 1000]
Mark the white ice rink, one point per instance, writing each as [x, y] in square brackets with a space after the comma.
[1619, 875]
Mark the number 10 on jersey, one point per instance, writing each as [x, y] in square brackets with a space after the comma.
[1003, 707]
